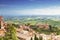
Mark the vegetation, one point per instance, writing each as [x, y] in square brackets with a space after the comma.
[31, 38]
[1, 38]
[54, 26]
[40, 38]
[51, 29]
[10, 34]
[36, 38]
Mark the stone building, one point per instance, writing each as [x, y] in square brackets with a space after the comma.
[2, 26]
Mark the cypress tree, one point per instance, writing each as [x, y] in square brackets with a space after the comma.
[40, 38]
[35, 38]
[31, 38]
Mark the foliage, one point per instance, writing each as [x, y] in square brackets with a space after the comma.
[51, 29]
[11, 33]
[40, 38]
[31, 38]
[35, 38]
[1, 38]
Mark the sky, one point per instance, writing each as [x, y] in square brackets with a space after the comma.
[29, 7]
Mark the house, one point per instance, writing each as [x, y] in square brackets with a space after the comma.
[45, 26]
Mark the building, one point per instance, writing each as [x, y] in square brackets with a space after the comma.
[2, 26]
[45, 26]
[1, 22]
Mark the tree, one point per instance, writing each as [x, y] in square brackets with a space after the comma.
[28, 24]
[31, 38]
[1, 38]
[50, 27]
[35, 38]
[40, 38]
[11, 33]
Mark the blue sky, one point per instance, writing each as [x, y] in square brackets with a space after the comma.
[29, 7]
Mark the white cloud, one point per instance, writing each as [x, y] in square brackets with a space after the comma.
[44, 11]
